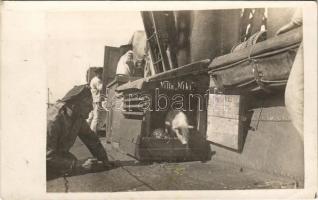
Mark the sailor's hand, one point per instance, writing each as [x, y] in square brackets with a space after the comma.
[285, 28]
[93, 165]
[90, 164]
[280, 31]
[84, 166]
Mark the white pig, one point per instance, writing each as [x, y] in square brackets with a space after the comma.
[177, 124]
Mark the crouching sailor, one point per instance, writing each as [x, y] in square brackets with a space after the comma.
[66, 121]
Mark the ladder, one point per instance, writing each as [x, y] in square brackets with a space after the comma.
[161, 36]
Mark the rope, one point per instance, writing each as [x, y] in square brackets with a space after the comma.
[66, 183]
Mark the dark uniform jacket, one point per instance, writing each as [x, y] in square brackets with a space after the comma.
[62, 130]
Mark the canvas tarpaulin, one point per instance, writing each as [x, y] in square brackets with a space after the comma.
[265, 65]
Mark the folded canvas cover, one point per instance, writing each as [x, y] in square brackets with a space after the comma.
[265, 65]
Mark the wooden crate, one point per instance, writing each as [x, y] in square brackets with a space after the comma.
[226, 116]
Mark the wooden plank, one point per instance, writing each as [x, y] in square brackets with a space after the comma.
[109, 115]
[192, 68]
[111, 58]
[133, 113]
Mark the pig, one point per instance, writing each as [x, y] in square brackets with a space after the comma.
[176, 123]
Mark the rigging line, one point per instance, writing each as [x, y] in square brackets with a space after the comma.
[259, 116]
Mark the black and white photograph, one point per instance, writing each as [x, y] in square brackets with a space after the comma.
[173, 100]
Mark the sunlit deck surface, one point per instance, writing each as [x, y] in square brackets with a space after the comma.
[132, 175]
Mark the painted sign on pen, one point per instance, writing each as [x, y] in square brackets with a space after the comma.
[178, 85]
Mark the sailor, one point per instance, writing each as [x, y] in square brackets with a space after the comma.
[66, 121]
[296, 21]
[96, 85]
[294, 93]
[135, 62]
[125, 65]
